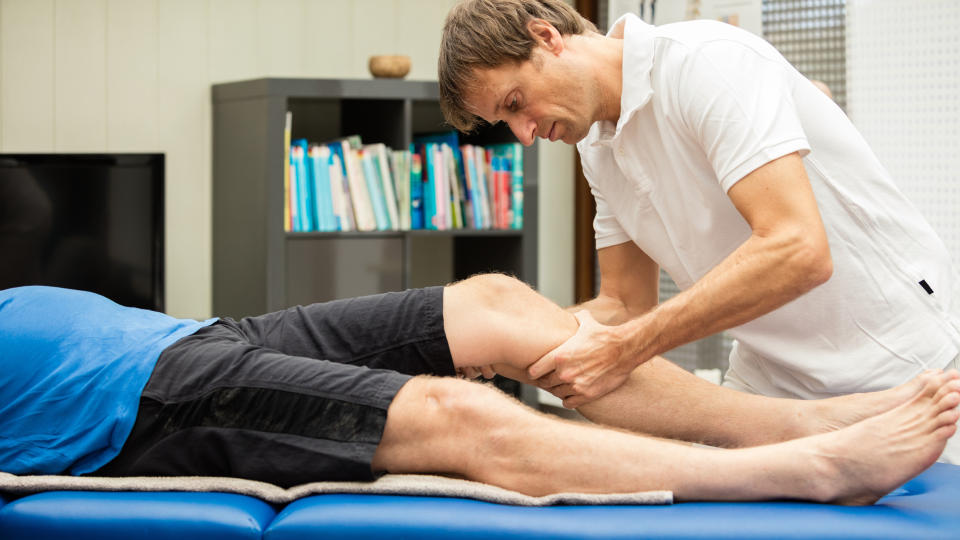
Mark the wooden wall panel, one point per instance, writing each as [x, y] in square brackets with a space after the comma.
[131, 79]
[80, 91]
[374, 30]
[233, 38]
[329, 40]
[27, 75]
[183, 121]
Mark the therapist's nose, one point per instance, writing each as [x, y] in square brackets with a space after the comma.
[524, 128]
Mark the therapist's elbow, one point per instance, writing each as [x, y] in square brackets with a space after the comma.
[814, 263]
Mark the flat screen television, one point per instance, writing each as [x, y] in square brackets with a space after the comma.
[84, 221]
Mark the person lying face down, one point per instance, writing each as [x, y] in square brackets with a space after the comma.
[710, 157]
[349, 389]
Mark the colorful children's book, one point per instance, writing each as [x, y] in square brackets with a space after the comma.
[287, 214]
[441, 189]
[456, 198]
[359, 194]
[305, 213]
[380, 154]
[341, 193]
[475, 185]
[400, 172]
[323, 196]
[348, 214]
[374, 188]
[513, 153]
[416, 191]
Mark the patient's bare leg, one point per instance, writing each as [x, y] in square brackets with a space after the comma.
[495, 319]
[461, 428]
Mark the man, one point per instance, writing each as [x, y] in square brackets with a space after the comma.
[338, 391]
[711, 157]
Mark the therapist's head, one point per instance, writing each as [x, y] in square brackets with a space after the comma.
[509, 60]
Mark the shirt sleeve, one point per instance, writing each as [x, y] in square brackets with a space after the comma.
[607, 230]
[738, 101]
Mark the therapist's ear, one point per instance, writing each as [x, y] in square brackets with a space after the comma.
[545, 35]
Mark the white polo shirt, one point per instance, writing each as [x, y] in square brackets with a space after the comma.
[704, 104]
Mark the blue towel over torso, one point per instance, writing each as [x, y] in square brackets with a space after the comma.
[72, 367]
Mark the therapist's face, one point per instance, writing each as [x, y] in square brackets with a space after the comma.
[542, 97]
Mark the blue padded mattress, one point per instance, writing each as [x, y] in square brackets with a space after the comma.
[926, 507]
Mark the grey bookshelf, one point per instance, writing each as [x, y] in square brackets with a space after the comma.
[258, 267]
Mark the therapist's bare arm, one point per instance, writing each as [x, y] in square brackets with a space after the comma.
[786, 255]
[629, 285]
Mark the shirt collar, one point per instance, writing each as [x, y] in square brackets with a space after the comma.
[638, 49]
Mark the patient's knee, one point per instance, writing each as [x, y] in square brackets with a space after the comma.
[496, 289]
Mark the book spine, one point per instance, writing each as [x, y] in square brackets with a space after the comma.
[381, 162]
[416, 192]
[375, 189]
[441, 190]
[517, 186]
[429, 188]
[320, 159]
[473, 185]
[453, 183]
[359, 194]
[292, 202]
[287, 134]
[303, 223]
[338, 181]
[480, 165]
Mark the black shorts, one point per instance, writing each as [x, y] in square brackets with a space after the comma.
[290, 397]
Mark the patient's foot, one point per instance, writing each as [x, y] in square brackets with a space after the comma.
[863, 462]
[825, 415]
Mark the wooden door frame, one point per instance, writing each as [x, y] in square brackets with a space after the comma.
[584, 207]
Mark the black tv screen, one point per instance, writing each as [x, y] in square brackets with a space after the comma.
[84, 221]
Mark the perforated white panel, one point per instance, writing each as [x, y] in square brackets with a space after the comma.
[903, 84]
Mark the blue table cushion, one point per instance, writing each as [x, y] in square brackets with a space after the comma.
[926, 507]
[80, 515]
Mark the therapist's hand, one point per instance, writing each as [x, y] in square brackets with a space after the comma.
[592, 363]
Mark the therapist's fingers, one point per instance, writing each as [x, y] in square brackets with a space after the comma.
[546, 364]
[468, 372]
[488, 372]
[550, 380]
[575, 401]
[563, 391]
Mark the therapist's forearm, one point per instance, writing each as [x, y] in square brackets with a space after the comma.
[761, 275]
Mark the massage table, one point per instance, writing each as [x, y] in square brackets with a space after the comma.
[927, 507]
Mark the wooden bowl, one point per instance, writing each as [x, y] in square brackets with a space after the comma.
[392, 66]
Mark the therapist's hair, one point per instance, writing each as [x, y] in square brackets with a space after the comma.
[482, 34]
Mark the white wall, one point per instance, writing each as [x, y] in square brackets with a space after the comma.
[135, 76]
[903, 94]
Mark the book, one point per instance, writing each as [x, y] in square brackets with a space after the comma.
[441, 191]
[347, 219]
[371, 176]
[287, 133]
[416, 191]
[323, 196]
[455, 197]
[304, 221]
[400, 171]
[429, 191]
[480, 163]
[341, 211]
[513, 153]
[474, 185]
[359, 194]
[292, 199]
[380, 155]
